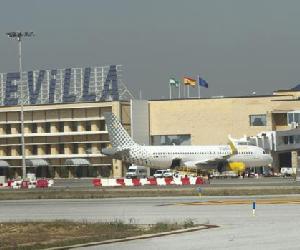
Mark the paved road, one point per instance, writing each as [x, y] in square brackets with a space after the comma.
[275, 226]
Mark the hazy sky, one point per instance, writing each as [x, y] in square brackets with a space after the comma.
[238, 46]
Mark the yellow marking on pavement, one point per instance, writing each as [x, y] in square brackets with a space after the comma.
[241, 202]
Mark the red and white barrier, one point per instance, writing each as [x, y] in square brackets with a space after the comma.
[107, 182]
[27, 184]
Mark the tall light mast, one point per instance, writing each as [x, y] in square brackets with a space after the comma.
[18, 35]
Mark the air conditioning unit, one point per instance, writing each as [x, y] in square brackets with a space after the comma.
[294, 124]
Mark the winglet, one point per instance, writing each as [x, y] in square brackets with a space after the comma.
[232, 145]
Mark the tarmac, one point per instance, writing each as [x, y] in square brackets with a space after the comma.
[274, 226]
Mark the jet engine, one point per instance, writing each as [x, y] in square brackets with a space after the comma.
[236, 166]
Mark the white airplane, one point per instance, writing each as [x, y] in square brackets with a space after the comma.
[235, 157]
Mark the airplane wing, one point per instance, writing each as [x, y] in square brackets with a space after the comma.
[211, 163]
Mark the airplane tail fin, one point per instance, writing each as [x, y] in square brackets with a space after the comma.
[118, 136]
[232, 145]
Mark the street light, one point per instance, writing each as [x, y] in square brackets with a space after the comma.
[19, 36]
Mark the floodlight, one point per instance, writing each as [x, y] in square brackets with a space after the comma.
[18, 35]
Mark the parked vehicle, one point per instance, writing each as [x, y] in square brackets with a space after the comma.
[268, 172]
[136, 172]
[287, 171]
[168, 173]
[163, 173]
[224, 174]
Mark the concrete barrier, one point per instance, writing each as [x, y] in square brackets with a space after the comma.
[108, 182]
[27, 184]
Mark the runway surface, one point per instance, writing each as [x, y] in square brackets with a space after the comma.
[275, 226]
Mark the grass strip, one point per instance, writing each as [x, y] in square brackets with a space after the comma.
[98, 193]
[61, 233]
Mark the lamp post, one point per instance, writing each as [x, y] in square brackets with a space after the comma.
[19, 37]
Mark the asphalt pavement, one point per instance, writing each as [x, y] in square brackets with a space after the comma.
[275, 225]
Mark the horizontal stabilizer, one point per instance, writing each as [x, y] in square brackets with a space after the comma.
[109, 151]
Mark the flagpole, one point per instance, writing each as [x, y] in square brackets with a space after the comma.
[199, 96]
[179, 91]
[183, 91]
[170, 88]
[188, 91]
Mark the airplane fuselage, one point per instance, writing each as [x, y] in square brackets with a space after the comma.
[238, 157]
[163, 156]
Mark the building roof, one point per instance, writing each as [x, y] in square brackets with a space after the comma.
[294, 89]
[221, 97]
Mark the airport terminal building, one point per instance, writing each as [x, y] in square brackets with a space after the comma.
[270, 122]
[64, 127]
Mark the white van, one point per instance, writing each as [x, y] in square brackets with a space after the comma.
[136, 172]
[160, 173]
[287, 171]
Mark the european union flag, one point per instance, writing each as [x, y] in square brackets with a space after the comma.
[202, 82]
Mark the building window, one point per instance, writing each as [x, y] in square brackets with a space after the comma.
[290, 118]
[7, 151]
[294, 117]
[75, 148]
[33, 128]
[280, 119]
[47, 127]
[88, 148]
[74, 126]
[34, 150]
[102, 126]
[171, 140]
[19, 150]
[48, 149]
[18, 126]
[292, 139]
[61, 126]
[61, 148]
[88, 126]
[258, 120]
[8, 129]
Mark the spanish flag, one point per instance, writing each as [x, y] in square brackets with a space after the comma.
[189, 81]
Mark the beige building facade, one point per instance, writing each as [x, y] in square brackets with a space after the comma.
[65, 140]
[211, 120]
[60, 136]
